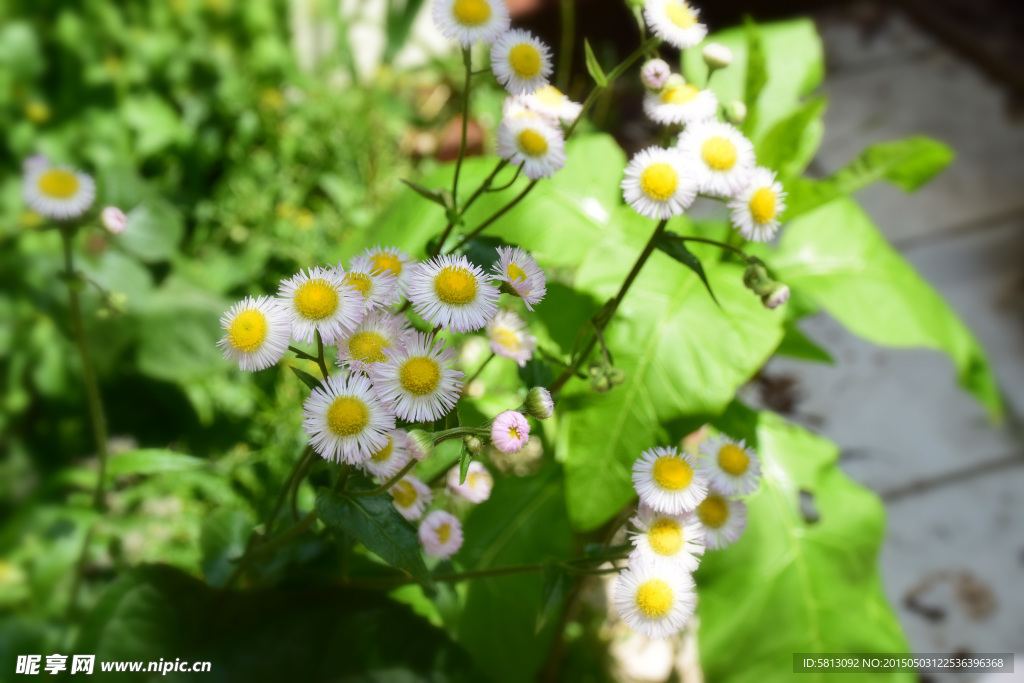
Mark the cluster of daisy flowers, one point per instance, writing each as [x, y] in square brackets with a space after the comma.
[393, 376]
[688, 504]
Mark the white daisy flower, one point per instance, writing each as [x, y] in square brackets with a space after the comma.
[379, 289]
[57, 192]
[730, 466]
[533, 141]
[411, 497]
[724, 520]
[549, 101]
[655, 600]
[452, 292]
[755, 211]
[345, 420]
[478, 484]
[521, 62]
[365, 345]
[319, 301]
[680, 102]
[671, 539]
[256, 333]
[720, 156]
[520, 270]
[467, 21]
[440, 533]
[509, 338]
[418, 380]
[675, 22]
[668, 480]
[393, 259]
[659, 184]
[386, 462]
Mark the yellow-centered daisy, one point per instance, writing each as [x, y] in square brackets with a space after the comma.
[411, 497]
[730, 466]
[440, 533]
[674, 540]
[256, 333]
[58, 192]
[720, 156]
[659, 184]
[387, 461]
[320, 301]
[418, 380]
[510, 339]
[366, 344]
[454, 293]
[723, 518]
[467, 21]
[520, 61]
[675, 22]
[379, 288]
[679, 102]
[668, 481]
[533, 141]
[520, 271]
[755, 211]
[478, 484]
[345, 420]
[655, 600]
[550, 102]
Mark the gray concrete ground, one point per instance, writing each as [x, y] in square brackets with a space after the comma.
[953, 559]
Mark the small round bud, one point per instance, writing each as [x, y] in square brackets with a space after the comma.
[600, 384]
[33, 162]
[420, 444]
[594, 369]
[114, 220]
[616, 376]
[778, 296]
[473, 444]
[717, 56]
[736, 112]
[756, 279]
[539, 403]
[655, 74]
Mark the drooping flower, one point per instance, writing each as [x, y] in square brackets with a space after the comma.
[550, 102]
[520, 270]
[411, 497]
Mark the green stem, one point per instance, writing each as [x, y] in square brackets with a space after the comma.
[467, 60]
[92, 388]
[320, 356]
[479, 370]
[721, 245]
[301, 354]
[386, 486]
[283, 494]
[469, 202]
[293, 532]
[495, 216]
[510, 183]
[568, 17]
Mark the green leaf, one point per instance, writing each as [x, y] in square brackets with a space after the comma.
[307, 379]
[523, 522]
[593, 66]
[557, 584]
[222, 539]
[178, 333]
[152, 461]
[789, 585]
[400, 17]
[374, 522]
[792, 142]
[907, 164]
[757, 74]
[836, 256]
[154, 231]
[430, 195]
[796, 344]
[465, 457]
[675, 247]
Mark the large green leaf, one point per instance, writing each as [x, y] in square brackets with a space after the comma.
[790, 585]
[154, 230]
[836, 256]
[523, 522]
[152, 461]
[179, 332]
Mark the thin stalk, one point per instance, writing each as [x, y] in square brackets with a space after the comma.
[495, 216]
[320, 356]
[299, 353]
[293, 532]
[467, 60]
[721, 245]
[283, 494]
[568, 17]
[92, 388]
[386, 486]
[479, 370]
[469, 202]
[510, 183]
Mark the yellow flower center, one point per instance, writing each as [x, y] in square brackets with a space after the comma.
[665, 537]
[347, 415]
[513, 432]
[316, 299]
[368, 347]
[248, 330]
[532, 143]
[659, 181]
[672, 472]
[506, 337]
[680, 14]
[654, 598]
[714, 511]
[515, 272]
[471, 479]
[58, 184]
[733, 459]
[681, 95]
[549, 95]
[471, 12]
[444, 532]
[455, 285]
[719, 153]
[524, 60]
[360, 282]
[384, 454]
[385, 261]
[404, 494]
[420, 375]
[762, 205]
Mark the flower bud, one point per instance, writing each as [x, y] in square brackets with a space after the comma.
[473, 444]
[539, 403]
[420, 444]
[736, 112]
[655, 74]
[778, 296]
[114, 220]
[600, 384]
[756, 279]
[717, 56]
[616, 376]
